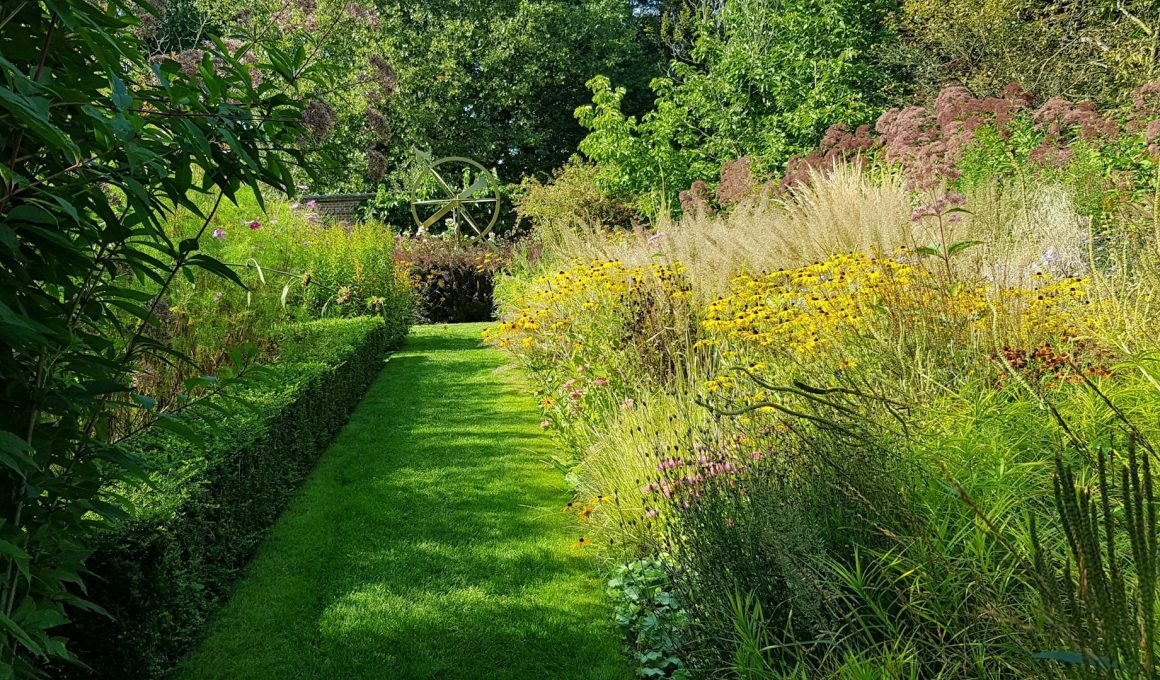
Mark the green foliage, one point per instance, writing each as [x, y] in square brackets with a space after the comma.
[338, 37]
[571, 199]
[498, 81]
[294, 267]
[1103, 605]
[101, 142]
[162, 571]
[761, 78]
[1106, 175]
[1080, 50]
[651, 616]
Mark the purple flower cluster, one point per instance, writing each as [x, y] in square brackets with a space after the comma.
[697, 199]
[737, 182]
[939, 207]
[839, 145]
[929, 142]
[681, 479]
[318, 119]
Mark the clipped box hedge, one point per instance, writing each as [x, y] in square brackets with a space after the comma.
[163, 572]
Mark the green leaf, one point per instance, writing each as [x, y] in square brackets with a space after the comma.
[19, 633]
[1077, 658]
[961, 246]
[168, 421]
[215, 266]
[120, 95]
[258, 267]
[19, 557]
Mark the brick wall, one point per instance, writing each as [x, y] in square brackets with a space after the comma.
[341, 207]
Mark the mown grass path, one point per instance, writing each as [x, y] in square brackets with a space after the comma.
[428, 543]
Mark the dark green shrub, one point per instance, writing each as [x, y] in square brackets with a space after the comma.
[453, 281]
[163, 571]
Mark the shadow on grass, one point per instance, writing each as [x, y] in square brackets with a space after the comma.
[429, 543]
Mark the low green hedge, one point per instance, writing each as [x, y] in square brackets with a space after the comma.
[162, 573]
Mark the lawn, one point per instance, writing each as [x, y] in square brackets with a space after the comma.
[429, 543]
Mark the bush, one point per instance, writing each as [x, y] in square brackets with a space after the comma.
[453, 280]
[295, 267]
[162, 572]
[651, 617]
[572, 199]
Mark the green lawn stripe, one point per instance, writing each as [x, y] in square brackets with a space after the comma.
[429, 543]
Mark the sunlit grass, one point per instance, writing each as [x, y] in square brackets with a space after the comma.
[429, 543]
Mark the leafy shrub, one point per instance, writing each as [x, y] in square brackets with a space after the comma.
[651, 616]
[102, 139]
[761, 78]
[295, 268]
[1075, 50]
[452, 279]
[572, 199]
[162, 571]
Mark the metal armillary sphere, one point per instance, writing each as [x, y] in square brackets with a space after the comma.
[456, 193]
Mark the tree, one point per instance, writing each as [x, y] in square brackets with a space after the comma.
[1077, 49]
[102, 140]
[757, 78]
[498, 81]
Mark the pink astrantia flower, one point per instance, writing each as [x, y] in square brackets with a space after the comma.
[600, 382]
[651, 513]
[545, 424]
[255, 225]
[219, 233]
[217, 296]
[311, 203]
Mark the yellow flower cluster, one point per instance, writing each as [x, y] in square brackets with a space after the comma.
[808, 309]
[1056, 307]
[558, 301]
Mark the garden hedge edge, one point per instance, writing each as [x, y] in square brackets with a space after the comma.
[162, 573]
